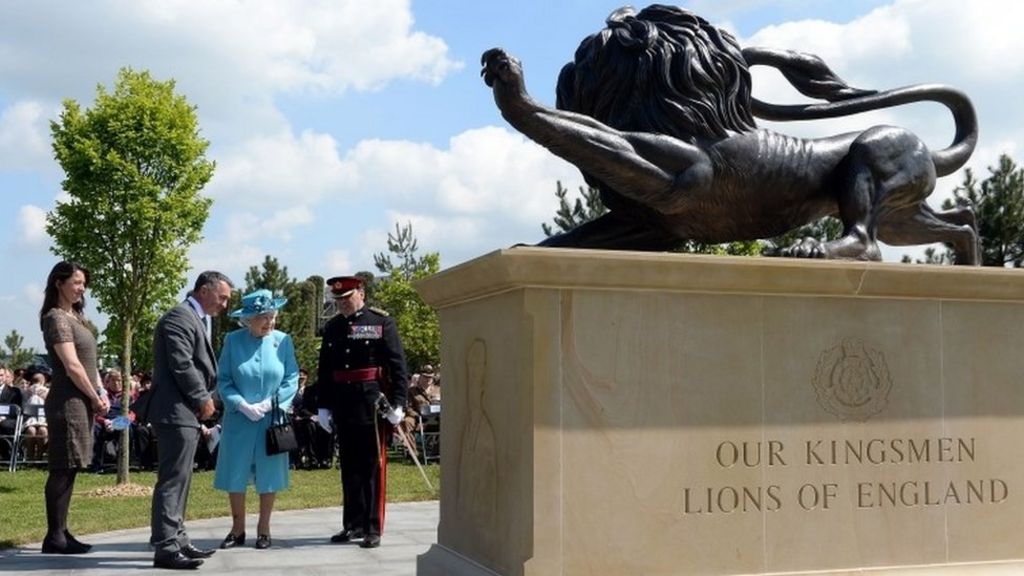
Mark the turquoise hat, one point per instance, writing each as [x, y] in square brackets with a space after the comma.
[259, 302]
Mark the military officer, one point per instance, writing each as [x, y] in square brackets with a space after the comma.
[361, 357]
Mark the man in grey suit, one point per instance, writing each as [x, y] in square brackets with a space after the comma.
[184, 376]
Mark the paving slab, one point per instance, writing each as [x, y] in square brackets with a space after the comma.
[300, 547]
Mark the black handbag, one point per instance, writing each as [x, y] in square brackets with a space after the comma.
[280, 435]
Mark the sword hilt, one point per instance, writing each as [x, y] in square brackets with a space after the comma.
[383, 406]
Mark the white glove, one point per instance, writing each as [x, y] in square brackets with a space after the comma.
[265, 406]
[323, 418]
[395, 416]
[251, 412]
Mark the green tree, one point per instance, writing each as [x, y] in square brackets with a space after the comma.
[134, 165]
[568, 216]
[400, 267]
[738, 248]
[931, 256]
[142, 346]
[16, 356]
[825, 229]
[998, 204]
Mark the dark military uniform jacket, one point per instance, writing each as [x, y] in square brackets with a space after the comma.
[360, 357]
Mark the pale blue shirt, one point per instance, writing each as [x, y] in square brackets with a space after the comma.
[203, 316]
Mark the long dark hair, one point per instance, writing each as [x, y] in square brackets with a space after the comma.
[60, 273]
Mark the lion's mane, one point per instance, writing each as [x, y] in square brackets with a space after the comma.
[663, 70]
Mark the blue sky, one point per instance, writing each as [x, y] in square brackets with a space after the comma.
[331, 120]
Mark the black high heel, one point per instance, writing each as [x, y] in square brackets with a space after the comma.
[263, 541]
[232, 540]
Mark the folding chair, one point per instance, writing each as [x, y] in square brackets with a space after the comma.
[23, 449]
[430, 433]
[10, 440]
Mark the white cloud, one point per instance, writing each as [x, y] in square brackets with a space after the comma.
[248, 227]
[25, 136]
[337, 262]
[280, 170]
[32, 227]
[881, 33]
[489, 170]
[489, 185]
[230, 57]
[490, 189]
[963, 44]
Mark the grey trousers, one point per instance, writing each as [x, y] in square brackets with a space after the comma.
[176, 451]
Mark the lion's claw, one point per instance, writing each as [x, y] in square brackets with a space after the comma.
[806, 248]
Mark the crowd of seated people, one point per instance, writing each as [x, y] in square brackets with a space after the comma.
[107, 428]
[317, 446]
[23, 388]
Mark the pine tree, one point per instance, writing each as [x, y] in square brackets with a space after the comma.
[568, 216]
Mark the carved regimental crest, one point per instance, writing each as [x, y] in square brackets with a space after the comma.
[852, 380]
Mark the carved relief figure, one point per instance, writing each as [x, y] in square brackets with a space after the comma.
[478, 475]
[656, 111]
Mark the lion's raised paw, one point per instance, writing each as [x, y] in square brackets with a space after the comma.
[499, 65]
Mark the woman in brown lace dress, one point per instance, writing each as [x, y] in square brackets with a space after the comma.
[74, 398]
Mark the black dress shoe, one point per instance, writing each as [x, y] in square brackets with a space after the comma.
[370, 541]
[346, 535]
[194, 553]
[263, 541]
[176, 561]
[232, 540]
[68, 547]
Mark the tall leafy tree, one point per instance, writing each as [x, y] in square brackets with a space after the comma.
[18, 357]
[393, 291]
[142, 344]
[134, 165]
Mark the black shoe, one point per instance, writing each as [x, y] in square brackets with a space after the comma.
[370, 541]
[263, 541]
[346, 535]
[71, 539]
[231, 540]
[176, 561]
[194, 553]
[68, 547]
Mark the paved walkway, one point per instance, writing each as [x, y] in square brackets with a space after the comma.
[300, 539]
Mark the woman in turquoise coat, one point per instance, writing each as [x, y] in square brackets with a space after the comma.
[256, 364]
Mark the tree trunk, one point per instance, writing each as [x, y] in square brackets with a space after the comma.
[126, 402]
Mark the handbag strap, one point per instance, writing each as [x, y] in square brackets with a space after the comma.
[275, 410]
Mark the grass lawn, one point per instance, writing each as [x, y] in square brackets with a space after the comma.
[23, 514]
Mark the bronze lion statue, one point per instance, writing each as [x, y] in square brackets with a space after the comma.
[656, 111]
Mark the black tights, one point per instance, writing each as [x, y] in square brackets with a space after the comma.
[59, 485]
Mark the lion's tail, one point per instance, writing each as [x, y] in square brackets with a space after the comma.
[812, 77]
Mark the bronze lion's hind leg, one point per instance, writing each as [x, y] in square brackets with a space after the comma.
[956, 227]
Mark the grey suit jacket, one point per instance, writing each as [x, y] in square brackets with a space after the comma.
[184, 368]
